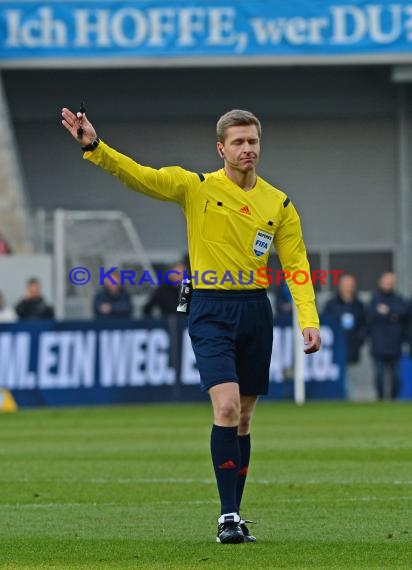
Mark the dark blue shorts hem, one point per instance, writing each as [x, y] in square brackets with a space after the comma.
[206, 387]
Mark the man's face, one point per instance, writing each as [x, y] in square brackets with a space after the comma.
[347, 286]
[241, 147]
[387, 282]
[34, 290]
[113, 288]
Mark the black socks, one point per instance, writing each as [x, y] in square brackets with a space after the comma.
[230, 456]
[224, 445]
[244, 448]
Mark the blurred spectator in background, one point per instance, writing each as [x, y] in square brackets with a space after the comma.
[283, 303]
[112, 301]
[388, 314]
[5, 248]
[163, 300]
[33, 306]
[7, 315]
[352, 316]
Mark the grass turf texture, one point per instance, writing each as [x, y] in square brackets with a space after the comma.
[132, 487]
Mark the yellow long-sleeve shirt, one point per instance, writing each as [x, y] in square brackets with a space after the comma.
[230, 230]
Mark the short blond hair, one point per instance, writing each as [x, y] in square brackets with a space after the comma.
[235, 118]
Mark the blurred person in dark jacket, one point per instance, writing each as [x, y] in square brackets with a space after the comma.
[388, 314]
[112, 301]
[33, 306]
[163, 300]
[352, 315]
[284, 302]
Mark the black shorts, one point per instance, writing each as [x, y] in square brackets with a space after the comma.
[232, 335]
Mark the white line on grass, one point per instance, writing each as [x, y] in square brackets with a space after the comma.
[205, 502]
[207, 481]
[190, 481]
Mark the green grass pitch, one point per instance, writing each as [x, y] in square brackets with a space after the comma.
[132, 487]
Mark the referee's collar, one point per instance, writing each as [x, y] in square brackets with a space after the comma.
[223, 173]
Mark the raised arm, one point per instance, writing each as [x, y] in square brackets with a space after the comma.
[170, 183]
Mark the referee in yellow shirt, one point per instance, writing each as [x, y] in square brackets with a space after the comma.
[233, 218]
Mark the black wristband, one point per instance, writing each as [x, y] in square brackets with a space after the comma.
[92, 146]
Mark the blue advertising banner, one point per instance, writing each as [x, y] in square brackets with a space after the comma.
[78, 362]
[148, 32]
[406, 378]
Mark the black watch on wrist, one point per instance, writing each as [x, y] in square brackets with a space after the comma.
[92, 146]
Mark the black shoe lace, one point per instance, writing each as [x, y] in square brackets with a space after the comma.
[243, 526]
